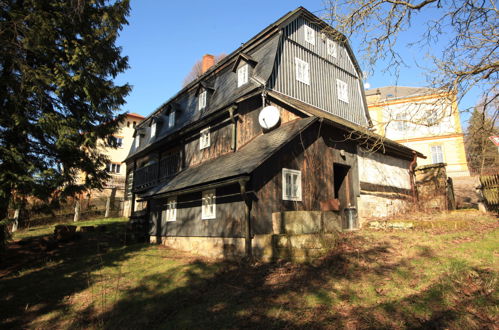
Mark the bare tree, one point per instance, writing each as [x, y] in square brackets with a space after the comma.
[197, 70]
[466, 29]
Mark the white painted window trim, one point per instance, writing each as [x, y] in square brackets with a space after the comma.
[204, 138]
[153, 129]
[242, 75]
[440, 153]
[332, 48]
[171, 119]
[170, 213]
[302, 71]
[342, 90]
[202, 100]
[287, 194]
[208, 205]
[137, 141]
[309, 35]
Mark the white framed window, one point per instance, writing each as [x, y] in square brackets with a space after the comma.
[331, 48]
[302, 71]
[137, 141]
[204, 138]
[170, 213]
[113, 168]
[171, 119]
[202, 100]
[242, 75]
[153, 129]
[309, 35]
[401, 122]
[208, 206]
[437, 155]
[291, 185]
[342, 89]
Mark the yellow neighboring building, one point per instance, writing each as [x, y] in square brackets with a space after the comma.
[424, 119]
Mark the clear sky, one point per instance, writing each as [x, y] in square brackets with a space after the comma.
[165, 38]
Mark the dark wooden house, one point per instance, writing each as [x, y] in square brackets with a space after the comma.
[206, 172]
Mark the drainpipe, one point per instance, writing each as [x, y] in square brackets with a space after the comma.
[247, 223]
[412, 166]
[234, 131]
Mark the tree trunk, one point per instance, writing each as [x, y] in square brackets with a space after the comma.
[108, 207]
[77, 211]
[15, 224]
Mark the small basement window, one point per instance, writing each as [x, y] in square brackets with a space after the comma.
[242, 75]
[202, 100]
[208, 207]
[342, 89]
[204, 138]
[170, 213]
[331, 48]
[291, 185]
[302, 71]
[309, 35]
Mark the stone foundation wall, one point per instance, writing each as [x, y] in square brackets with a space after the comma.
[373, 206]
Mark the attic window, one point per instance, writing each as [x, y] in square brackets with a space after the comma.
[204, 138]
[309, 35]
[171, 119]
[342, 90]
[242, 75]
[291, 185]
[202, 100]
[153, 129]
[208, 207]
[331, 48]
[137, 141]
[302, 71]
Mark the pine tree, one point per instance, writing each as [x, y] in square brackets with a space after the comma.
[57, 96]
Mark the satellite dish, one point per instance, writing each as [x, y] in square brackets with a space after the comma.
[269, 117]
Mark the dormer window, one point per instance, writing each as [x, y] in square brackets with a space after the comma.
[331, 48]
[242, 75]
[202, 100]
[342, 89]
[171, 119]
[204, 139]
[137, 141]
[153, 129]
[309, 35]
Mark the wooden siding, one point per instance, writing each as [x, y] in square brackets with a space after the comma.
[315, 156]
[324, 70]
[230, 214]
[220, 143]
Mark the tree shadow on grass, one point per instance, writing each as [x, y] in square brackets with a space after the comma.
[35, 282]
[271, 295]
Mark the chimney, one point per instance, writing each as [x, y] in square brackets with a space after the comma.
[208, 62]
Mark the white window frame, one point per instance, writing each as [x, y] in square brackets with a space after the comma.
[401, 123]
[242, 75]
[137, 141]
[204, 139]
[208, 205]
[342, 90]
[332, 48]
[170, 212]
[302, 71]
[202, 100]
[289, 192]
[114, 168]
[309, 35]
[439, 154]
[153, 129]
[171, 119]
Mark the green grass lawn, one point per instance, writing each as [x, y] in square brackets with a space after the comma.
[433, 277]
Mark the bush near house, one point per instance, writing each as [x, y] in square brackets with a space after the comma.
[441, 277]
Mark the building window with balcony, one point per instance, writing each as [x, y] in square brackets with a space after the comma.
[208, 206]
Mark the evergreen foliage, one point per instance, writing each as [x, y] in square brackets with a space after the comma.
[58, 59]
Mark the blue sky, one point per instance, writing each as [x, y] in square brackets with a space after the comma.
[165, 38]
